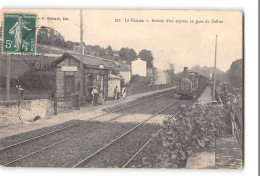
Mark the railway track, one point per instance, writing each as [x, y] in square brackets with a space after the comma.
[142, 147]
[79, 133]
[73, 125]
[89, 157]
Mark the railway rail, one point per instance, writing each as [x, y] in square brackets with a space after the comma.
[73, 125]
[121, 136]
[143, 146]
[80, 133]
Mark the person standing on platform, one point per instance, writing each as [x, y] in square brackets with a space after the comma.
[90, 94]
[124, 93]
[115, 94]
[95, 96]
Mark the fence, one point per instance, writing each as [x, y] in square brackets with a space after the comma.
[237, 127]
[237, 121]
[218, 98]
[139, 89]
[63, 104]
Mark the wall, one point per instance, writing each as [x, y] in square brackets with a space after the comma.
[60, 76]
[139, 67]
[126, 75]
[112, 83]
[29, 109]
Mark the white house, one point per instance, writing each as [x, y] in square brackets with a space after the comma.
[125, 73]
[113, 81]
[138, 67]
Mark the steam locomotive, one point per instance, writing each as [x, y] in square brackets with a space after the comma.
[191, 84]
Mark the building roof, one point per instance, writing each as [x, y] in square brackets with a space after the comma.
[111, 76]
[124, 69]
[57, 50]
[88, 61]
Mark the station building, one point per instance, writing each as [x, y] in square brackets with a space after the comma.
[112, 83]
[96, 74]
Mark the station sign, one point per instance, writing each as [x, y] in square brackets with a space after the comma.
[69, 68]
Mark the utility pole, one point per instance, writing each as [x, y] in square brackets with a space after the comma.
[8, 77]
[214, 84]
[81, 60]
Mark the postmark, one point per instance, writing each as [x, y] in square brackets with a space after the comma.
[15, 27]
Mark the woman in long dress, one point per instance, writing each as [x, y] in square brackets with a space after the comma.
[124, 92]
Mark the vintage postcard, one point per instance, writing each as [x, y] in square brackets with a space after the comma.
[121, 89]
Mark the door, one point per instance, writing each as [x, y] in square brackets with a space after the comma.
[69, 85]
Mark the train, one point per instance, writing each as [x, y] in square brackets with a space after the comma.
[191, 84]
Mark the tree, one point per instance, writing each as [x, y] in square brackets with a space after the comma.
[49, 37]
[127, 54]
[37, 80]
[98, 49]
[110, 51]
[147, 56]
[115, 71]
[69, 44]
[235, 73]
[42, 36]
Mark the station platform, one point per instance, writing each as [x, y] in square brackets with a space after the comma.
[226, 155]
[206, 96]
[85, 113]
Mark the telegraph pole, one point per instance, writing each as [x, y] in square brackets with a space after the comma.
[214, 84]
[81, 59]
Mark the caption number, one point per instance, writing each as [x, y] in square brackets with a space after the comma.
[117, 20]
[8, 43]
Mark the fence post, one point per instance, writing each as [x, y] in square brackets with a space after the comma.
[55, 105]
[77, 101]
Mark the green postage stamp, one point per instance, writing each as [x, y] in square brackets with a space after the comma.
[19, 33]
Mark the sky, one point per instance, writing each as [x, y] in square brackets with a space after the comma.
[182, 44]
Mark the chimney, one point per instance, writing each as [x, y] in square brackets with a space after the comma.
[185, 72]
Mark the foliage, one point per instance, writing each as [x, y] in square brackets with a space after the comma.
[36, 80]
[95, 50]
[137, 80]
[230, 95]
[115, 71]
[109, 51]
[50, 37]
[147, 56]
[127, 54]
[69, 44]
[193, 129]
[235, 73]
[122, 83]
[13, 82]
